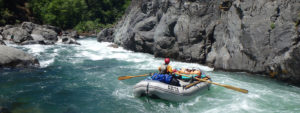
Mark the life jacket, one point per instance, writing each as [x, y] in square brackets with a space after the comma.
[186, 78]
[165, 78]
[164, 69]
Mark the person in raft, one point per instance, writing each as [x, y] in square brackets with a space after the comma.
[202, 75]
[166, 74]
[197, 73]
[165, 68]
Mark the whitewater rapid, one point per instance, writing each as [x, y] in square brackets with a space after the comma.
[93, 50]
[83, 78]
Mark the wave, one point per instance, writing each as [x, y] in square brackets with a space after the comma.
[90, 49]
[94, 50]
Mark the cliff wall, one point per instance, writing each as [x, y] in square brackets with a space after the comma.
[256, 36]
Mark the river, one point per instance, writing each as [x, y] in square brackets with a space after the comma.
[83, 79]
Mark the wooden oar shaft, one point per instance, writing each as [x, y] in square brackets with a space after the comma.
[226, 86]
[129, 77]
[192, 84]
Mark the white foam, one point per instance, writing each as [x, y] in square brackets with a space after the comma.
[90, 49]
[46, 63]
[123, 93]
[93, 50]
[39, 51]
[36, 48]
[91, 55]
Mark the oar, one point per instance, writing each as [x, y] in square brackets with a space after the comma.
[192, 84]
[129, 77]
[223, 85]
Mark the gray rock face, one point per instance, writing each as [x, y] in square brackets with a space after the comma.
[28, 26]
[16, 34]
[30, 33]
[39, 34]
[71, 34]
[256, 36]
[106, 35]
[11, 57]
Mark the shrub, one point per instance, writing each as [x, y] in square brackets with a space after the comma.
[272, 25]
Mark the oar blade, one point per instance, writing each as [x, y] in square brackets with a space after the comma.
[124, 77]
[236, 89]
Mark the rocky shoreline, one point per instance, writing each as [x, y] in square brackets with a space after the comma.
[256, 36]
[30, 33]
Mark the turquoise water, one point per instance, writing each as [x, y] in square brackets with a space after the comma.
[83, 79]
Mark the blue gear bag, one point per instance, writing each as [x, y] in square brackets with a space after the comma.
[165, 78]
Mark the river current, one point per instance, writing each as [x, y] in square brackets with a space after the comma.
[83, 79]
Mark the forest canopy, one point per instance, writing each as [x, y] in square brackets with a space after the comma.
[82, 15]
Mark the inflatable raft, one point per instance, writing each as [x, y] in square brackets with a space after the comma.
[156, 89]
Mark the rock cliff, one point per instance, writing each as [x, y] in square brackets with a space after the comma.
[256, 36]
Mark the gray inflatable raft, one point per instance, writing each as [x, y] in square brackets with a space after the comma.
[165, 91]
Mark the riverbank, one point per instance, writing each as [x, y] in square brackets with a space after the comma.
[29, 33]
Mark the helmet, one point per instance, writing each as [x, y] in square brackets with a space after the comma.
[167, 60]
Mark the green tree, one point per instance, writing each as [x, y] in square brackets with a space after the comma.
[108, 11]
[64, 13]
[83, 15]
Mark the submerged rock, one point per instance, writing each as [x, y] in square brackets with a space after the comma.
[67, 40]
[256, 36]
[12, 57]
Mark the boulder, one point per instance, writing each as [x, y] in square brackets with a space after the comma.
[56, 29]
[7, 27]
[30, 33]
[16, 34]
[14, 58]
[40, 33]
[28, 26]
[71, 34]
